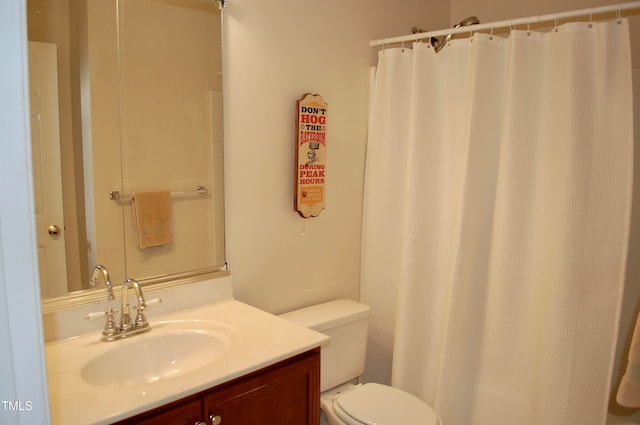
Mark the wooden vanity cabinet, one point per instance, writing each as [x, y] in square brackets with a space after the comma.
[178, 413]
[286, 393]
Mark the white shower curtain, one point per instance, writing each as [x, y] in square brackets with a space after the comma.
[497, 205]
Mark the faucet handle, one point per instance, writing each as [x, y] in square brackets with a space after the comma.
[99, 314]
[110, 327]
[95, 315]
[153, 302]
[141, 321]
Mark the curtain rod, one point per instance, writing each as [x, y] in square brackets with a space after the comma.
[553, 17]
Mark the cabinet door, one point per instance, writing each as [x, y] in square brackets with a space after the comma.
[188, 413]
[284, 394]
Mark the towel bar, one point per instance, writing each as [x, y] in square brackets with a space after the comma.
[115, 195]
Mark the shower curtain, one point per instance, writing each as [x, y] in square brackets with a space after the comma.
[497, 208]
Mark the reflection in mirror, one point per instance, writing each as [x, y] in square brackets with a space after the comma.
[126, 97]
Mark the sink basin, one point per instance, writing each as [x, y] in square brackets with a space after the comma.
[171, 349]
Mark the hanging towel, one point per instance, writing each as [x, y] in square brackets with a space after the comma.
[152, 218]
[629, 390]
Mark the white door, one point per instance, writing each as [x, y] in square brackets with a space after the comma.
[47, 177]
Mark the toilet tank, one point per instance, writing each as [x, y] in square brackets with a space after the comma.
[346, 323]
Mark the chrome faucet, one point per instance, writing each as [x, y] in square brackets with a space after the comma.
[98, 271]
[126, 324]
[127, 327]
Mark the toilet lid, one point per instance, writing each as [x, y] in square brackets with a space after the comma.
[376, 404]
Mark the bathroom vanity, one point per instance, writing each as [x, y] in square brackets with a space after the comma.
[222, 361]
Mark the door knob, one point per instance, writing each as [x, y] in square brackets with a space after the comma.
[54, 230]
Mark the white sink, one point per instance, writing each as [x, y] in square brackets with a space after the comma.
[98, 383]
[171, 349]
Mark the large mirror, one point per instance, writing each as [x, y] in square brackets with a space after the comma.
[126, 113]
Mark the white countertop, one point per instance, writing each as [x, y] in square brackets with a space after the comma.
[264, 339]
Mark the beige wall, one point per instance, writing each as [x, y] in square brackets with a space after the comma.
[275, 53]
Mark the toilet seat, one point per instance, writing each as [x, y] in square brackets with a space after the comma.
[376, 404]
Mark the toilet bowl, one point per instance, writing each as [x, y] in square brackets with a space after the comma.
[342, 362]
[376, 404]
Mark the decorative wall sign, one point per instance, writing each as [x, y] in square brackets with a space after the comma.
[311, 151]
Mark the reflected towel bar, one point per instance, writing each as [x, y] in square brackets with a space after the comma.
[114, 195]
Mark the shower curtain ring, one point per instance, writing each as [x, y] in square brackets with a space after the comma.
[590, 18]
[491, 33]
[528, 27]
[619, 15]
[555, 21]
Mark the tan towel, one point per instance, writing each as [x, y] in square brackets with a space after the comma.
[152, 217]
[629, 390]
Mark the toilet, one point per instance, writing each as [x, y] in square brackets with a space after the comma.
[342, 361]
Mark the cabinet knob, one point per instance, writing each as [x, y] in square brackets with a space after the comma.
[213, 420]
